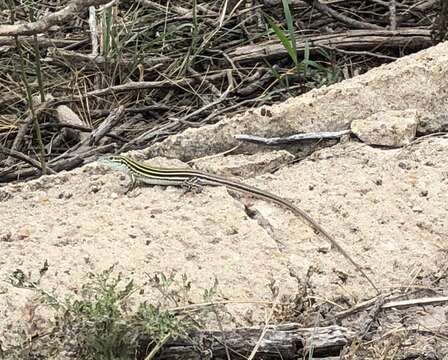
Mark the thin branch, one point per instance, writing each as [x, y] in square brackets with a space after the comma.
[415, 302]
[293, 138]
[143, 85]
[325, 9]
[393, 14]
[21, 156]
[105, 127]
[40, 26]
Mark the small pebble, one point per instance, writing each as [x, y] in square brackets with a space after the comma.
[404, 165]
[6, 237]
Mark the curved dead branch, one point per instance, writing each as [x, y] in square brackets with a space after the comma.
[43, 24]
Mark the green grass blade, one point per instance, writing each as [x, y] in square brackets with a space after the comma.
[289, 23]
[284, 40]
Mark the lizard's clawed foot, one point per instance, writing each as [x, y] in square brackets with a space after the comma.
[130, 188]
[192, 185]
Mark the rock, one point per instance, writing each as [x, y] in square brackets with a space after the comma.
[388, 128]
[432, 123]
[418, 81]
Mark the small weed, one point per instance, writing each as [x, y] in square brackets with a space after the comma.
[102, 324]
[315, 74]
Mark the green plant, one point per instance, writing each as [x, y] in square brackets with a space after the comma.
[307, 68]
[289, 43]
[102, 323]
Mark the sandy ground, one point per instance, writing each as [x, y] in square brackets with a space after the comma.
[387, 208]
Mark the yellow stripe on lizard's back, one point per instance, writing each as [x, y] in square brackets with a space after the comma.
[147, 174]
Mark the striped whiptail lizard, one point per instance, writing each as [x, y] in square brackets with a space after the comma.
[143, 173]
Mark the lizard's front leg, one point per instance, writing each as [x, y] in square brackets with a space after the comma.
[192, 184]
[132, 184]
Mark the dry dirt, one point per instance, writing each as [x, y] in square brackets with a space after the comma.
[386, 207]
[416, 82]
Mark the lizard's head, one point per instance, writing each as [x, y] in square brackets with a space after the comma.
[116, 162]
